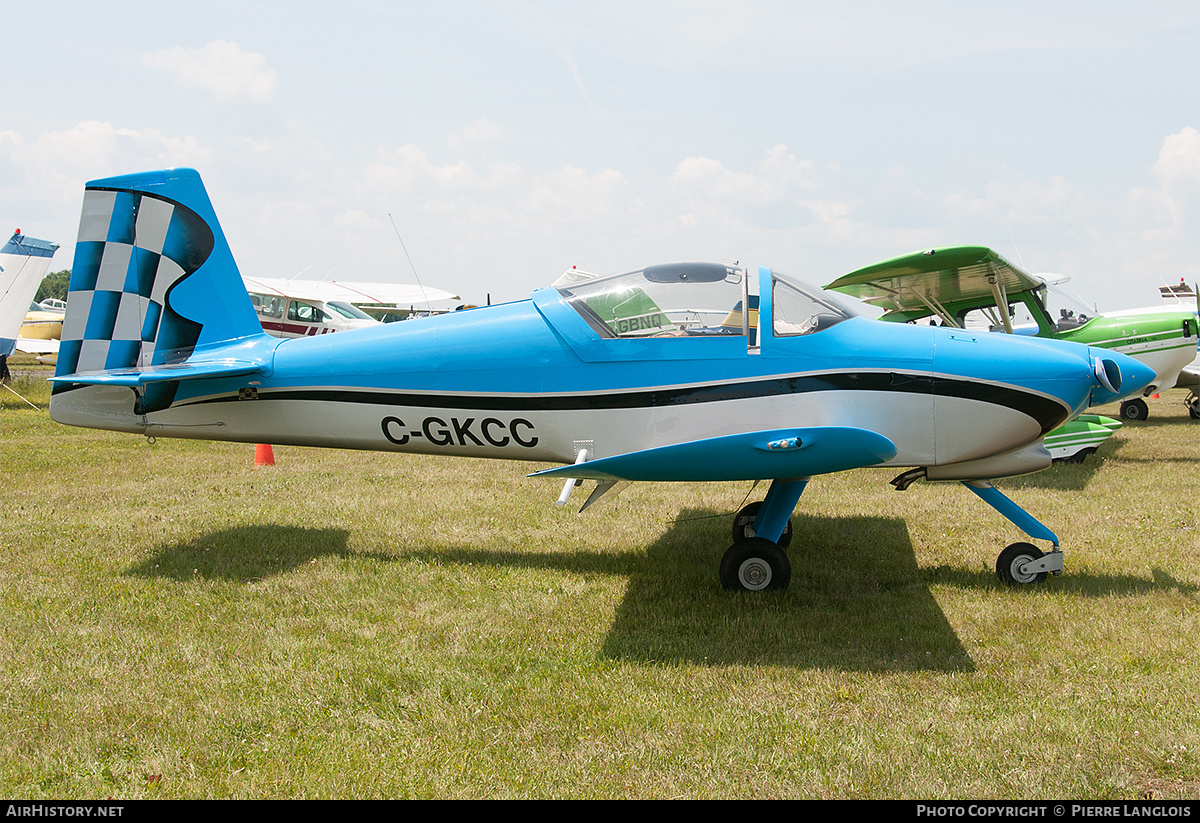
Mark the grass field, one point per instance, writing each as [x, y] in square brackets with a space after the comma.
[178, 623]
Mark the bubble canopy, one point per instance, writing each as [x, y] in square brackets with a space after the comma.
[701, 299]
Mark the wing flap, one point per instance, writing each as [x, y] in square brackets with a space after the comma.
[761, 455]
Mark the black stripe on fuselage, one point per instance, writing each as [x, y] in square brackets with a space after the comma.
[1049, 413]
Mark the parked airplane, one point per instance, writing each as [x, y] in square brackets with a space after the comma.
[23, 264]
[951, 282]
[41, 330]
[303, 308]
[1176, 299]
[650, 375]
[41, 323]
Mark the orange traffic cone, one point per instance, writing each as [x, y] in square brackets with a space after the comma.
[263, 455]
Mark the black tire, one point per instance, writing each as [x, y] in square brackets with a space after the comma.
[1135, 409]
[744, 520]
[1012, 558]
[755, 565]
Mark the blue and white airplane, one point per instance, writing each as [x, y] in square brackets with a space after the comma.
[652, 375]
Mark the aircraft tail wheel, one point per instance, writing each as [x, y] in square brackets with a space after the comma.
[1010, 561]
[1135, 409]
[743, 525]
[755, 565]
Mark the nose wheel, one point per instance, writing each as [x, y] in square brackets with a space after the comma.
[1022, 564]
[1135, 409]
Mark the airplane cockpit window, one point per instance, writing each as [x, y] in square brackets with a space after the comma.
[347, 310]
[668, 300]
[305, 312]
[800, 309]
[267, 305]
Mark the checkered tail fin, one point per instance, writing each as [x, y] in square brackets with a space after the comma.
[153, 283]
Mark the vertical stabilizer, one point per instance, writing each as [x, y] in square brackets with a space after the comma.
[23, 264]
[153, 281]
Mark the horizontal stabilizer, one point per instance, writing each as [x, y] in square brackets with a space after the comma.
[165, 373]
[762, 455]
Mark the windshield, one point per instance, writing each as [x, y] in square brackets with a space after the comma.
[669, 300]
[800, 309]
[347, 310]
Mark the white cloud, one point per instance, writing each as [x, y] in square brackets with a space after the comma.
[1009, 199]
[221, 67]
[571, 195]
[54, 165]
[481, 131]
[779, 193]
[408, 169]
[1178, 172]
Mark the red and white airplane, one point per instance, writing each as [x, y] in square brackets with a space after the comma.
[305, 308]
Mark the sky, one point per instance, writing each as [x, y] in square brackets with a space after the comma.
[486, 147]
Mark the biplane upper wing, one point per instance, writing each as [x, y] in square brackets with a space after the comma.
[926, 282]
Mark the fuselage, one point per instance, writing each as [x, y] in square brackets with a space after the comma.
[533, 380]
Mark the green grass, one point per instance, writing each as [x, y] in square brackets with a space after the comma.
[177, 623]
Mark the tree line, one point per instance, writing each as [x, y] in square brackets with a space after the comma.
[53, 286]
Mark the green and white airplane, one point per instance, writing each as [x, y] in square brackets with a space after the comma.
[951, 282]
[1182, 297]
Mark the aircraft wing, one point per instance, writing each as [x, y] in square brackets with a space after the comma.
[1189, 376]
[32, 345]
[925, 281]
[396, 294]
[775, 453]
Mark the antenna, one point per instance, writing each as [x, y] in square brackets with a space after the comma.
[428, 305]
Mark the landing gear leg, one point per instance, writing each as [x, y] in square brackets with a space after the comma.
[1020, 563]
[758, 562]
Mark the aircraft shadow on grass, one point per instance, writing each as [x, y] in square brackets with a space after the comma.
[858, 598]
[244, 554]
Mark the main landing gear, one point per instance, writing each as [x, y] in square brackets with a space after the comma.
[761, 531]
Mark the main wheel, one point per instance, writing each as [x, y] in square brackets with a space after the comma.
[1135, 409]
[1010, 561]
[743, 525]
[755, 565]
